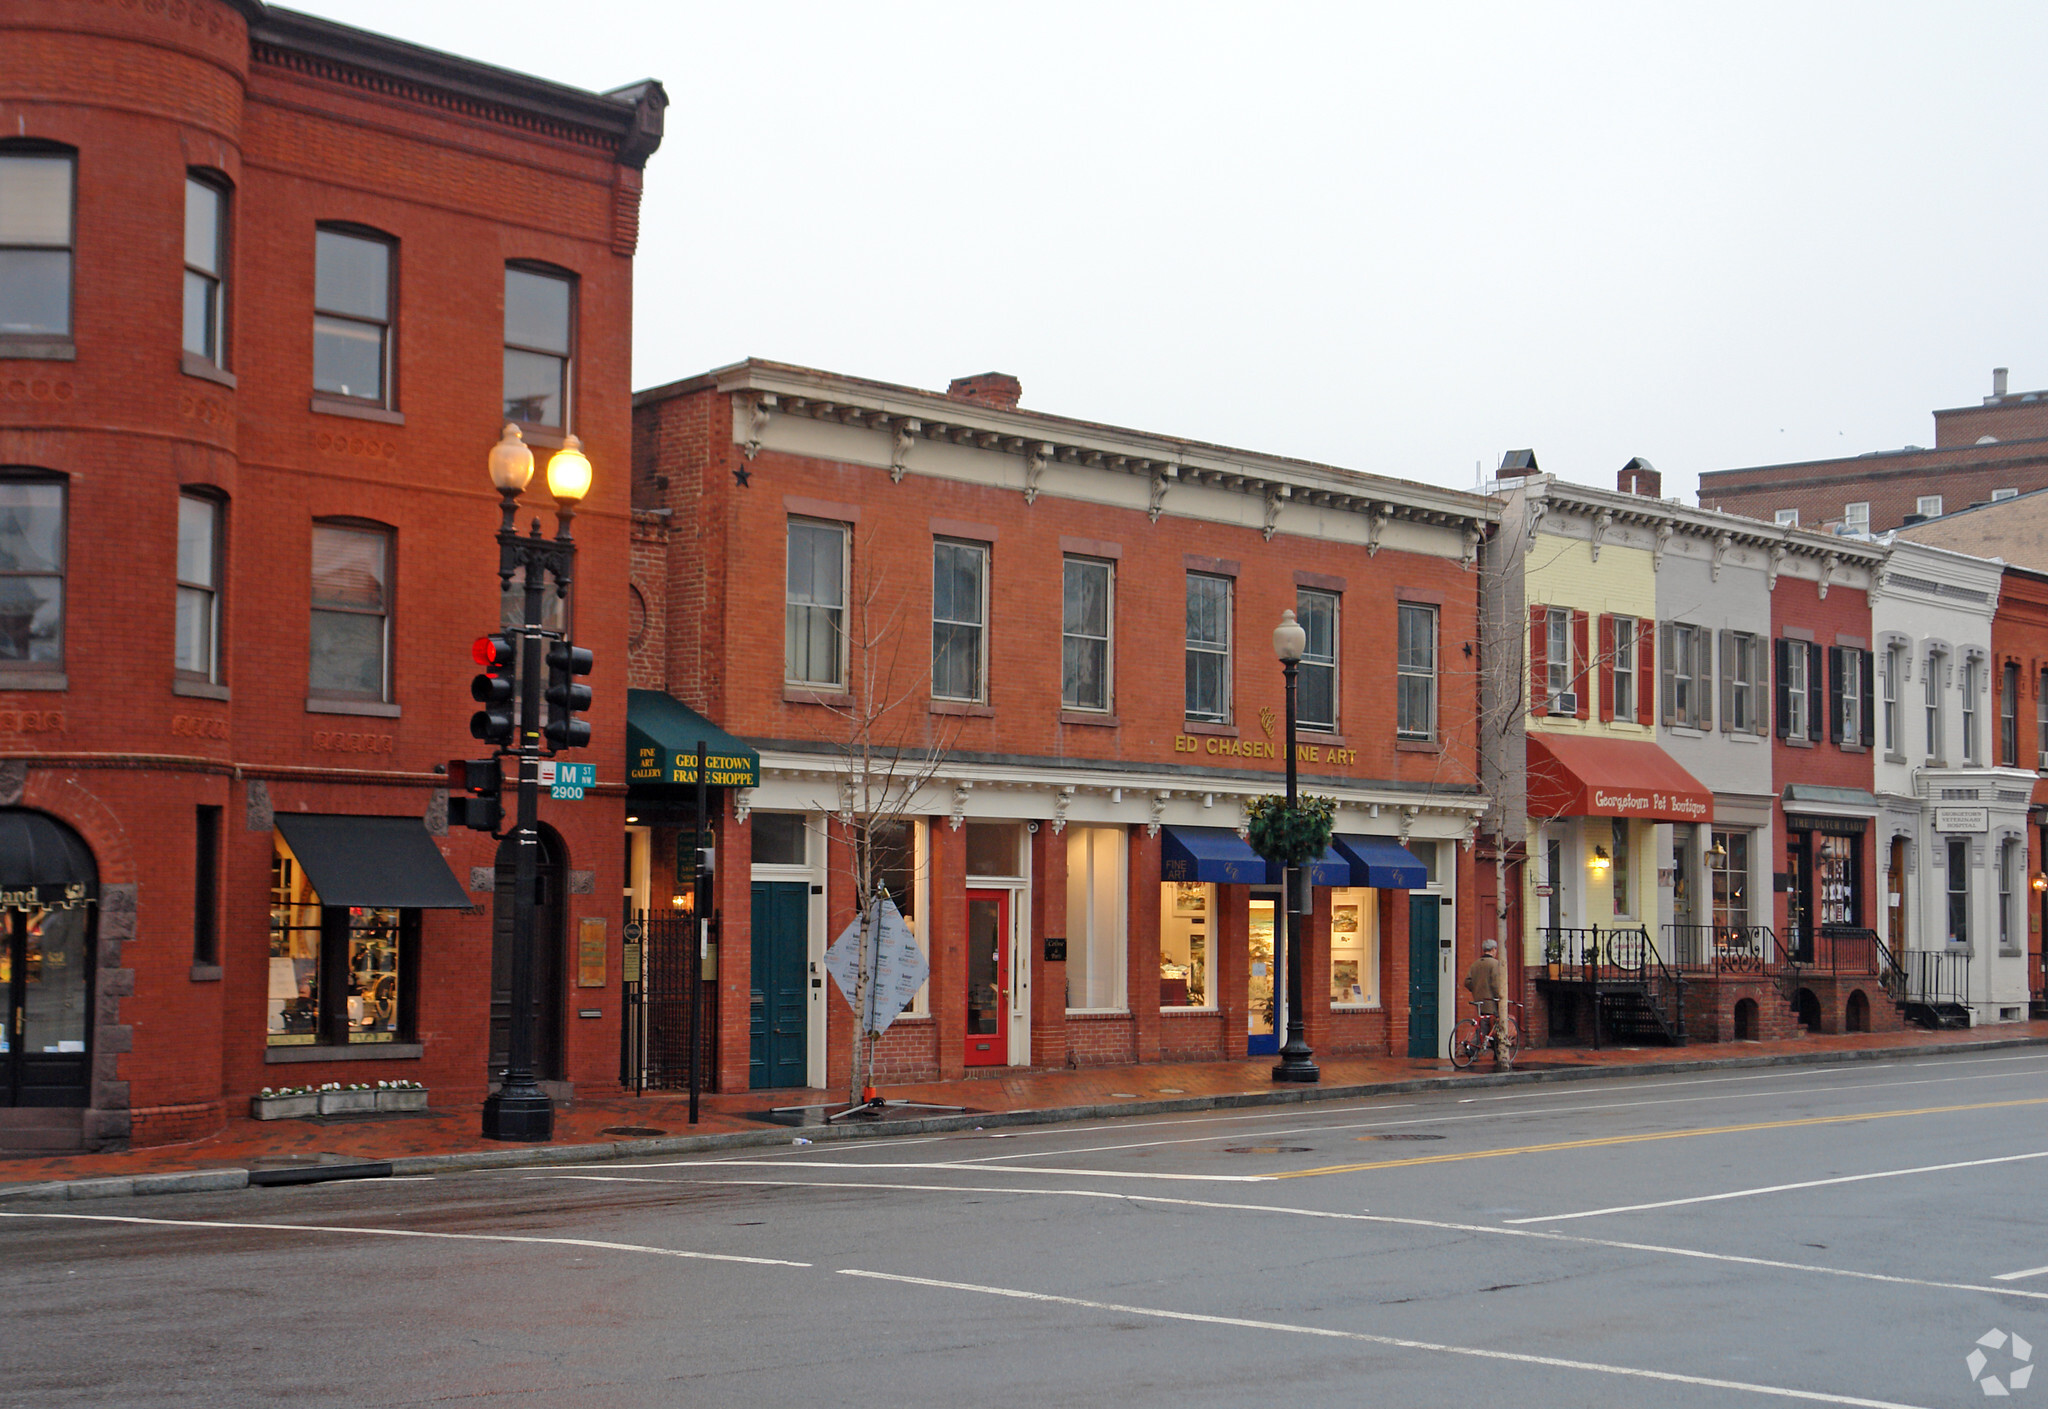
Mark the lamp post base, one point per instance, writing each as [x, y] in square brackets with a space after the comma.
[523, 1114]
[1297, 1063]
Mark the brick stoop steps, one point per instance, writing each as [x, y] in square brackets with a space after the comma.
[623, 1127]
[32, 1130]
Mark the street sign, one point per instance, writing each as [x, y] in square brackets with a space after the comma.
[567, 780]
[896, 965]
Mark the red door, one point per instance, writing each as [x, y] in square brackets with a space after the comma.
[988, 978]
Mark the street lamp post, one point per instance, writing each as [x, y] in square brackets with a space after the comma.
[1296, 1063]
[519, 1109]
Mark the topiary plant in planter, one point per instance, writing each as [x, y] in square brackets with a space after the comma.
[1290, 836]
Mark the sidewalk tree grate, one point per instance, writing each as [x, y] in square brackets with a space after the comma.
[632, 1132]
[1266, 1149]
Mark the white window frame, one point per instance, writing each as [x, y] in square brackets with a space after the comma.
[1557, 653]
[1786, 518]
[2010, 926]
[2000, 495]
[1857, 516]
[1217, 646]
[1405, 671]
[1623, 645]
[206, 277]
[1797, 688]
[959, 625]
[1971, 751]
[1742, 698]
[835, 612]
[1851, 722]
[1929, 505]
[1098, 844]
[1937, 746]
[1104, 640]
[1367, 901]
[1958, 885]
[1311, 659]
[203, 596]
[1888, 684]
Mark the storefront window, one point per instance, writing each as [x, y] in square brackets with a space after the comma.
[1835, 879]
[1095, 918]
[1729, 861]
[1958, 891]
[1354, 947]
[1259, 994]
[1620, 870]
[1187, 926]
[993, 849]
[898, 855]
[335, 974]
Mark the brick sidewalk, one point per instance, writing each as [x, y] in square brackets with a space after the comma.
[596, 1124]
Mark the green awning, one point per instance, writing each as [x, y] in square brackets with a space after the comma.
[662, 734]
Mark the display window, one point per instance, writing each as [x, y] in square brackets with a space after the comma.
[1354, 948]
[1187, 928]
[338, 975]
[1260, 1007]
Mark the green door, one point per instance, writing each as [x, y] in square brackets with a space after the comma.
[777, 1050]
[1422, 962]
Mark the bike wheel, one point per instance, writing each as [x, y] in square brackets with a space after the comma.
[1510, 1039]
[1465, 1043]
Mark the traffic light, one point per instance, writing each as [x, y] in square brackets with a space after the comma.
[474, 786]
[566, 698]
[496, 722]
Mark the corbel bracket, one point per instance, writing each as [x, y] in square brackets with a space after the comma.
[899, 458]
[757, 423]
[1034, 470]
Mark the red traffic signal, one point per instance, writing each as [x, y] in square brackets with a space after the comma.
[497, 721]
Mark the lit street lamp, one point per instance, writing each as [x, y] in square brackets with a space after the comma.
[519, 1109]
[1296, 1063]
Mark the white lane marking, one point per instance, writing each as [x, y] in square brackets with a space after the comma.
[1434, 1225]
[1982, 1061]
[1780, 1188]
[1397, 1342]
[931, 1164]
[415, 1233]
[2016, 1276]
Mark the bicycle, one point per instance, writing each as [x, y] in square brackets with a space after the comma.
[1477, 1033]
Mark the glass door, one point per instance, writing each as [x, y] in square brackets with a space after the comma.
[1261, 1010]
[46, 980]
[988, 965]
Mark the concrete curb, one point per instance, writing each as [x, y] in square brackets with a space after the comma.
[541, 1156]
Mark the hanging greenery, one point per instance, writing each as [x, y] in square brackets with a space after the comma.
[1290, 837]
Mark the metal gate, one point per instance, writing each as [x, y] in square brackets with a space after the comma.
[662, 1024]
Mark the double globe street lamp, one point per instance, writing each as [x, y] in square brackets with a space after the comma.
[513, 658]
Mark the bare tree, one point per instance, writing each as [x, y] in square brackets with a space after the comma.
[888, 746]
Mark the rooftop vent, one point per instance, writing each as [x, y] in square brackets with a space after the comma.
[1639, 476]
[1518, 463]
[1998, 381]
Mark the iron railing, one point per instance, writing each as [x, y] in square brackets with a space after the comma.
[662, 1024]
[1723, 949]
[1615, 961]
[1934, 976]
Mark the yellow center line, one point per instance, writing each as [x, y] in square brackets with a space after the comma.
[1661, 1135]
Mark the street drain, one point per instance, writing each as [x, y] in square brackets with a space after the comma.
[1266, 1149]
[632, 1132]
[1401, 1135]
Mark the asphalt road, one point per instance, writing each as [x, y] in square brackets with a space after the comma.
[1831, 1235]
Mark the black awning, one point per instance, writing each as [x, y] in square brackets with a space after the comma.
[43, 863]
[372, 861]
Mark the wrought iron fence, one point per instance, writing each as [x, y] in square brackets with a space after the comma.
[1727, 949]
[662, 1024]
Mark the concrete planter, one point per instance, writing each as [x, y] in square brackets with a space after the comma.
[402, 1099]
[347, 1102]
[284, 1107]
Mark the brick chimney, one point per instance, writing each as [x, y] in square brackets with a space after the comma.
[997, 389]
[1639, 476]
[1517, 464]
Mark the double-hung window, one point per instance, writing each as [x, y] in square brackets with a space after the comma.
[1622, 655]
[1743, 652]
[1208, 648]
[2009, 714]
[1415, 667]
[1797, 695]
[351, 630]
[1688, 670]
[959, 620]
[32, 558]
[2041, 715]
[206, 248]
[2010, 926]
[814, 628]
[1849, 697]
[1557, 654]
[540, 310]
[1936, 663]
[1973, 672]
[35, 243]
[1085, 616]
[1894, 666]
[1958, 890]
[1316, 676]
[199, 555]
[352, 316]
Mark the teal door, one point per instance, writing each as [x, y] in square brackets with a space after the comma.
[1422, 962]
[776, 1051]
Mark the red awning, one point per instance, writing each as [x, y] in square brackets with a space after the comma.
[1582, 775]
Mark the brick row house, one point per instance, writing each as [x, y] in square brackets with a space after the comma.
[1065, 626]
[270, 287]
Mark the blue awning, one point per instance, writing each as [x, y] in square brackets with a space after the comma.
[1217, 855]
[1383, 863]
[1220, 856]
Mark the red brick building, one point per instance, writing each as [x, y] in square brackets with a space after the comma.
[1980, 453]
[269, 286]
[1070, 623]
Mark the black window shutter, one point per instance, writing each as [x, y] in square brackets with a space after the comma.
[1781, 648]
[1866, 662]
[1816, 691]
[1835, 694]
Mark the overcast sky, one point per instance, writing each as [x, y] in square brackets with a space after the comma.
[1397, 237]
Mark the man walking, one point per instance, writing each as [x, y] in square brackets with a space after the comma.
[1487, 982]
